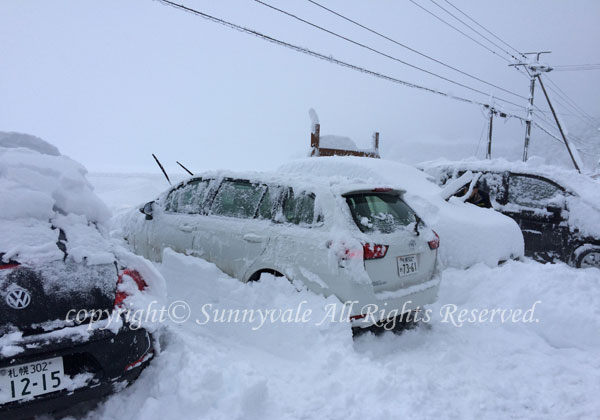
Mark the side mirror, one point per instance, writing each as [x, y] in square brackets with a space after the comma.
[148, 209]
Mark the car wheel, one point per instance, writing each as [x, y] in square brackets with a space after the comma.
[588, 258]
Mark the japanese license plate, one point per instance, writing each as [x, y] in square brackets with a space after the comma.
[407, 265]
[32, 379]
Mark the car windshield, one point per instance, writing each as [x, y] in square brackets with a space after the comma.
[379, 212]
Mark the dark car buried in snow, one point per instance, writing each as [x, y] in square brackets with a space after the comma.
[61, 278]
[52, 353]
[558, 210]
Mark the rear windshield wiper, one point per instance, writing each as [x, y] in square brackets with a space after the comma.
[418, 221]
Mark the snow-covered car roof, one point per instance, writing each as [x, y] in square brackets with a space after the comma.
[44, 192]
[298, 181]
[580, 184]
[474, 234]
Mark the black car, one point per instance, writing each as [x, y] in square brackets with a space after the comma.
[557, 210]
[52, 355]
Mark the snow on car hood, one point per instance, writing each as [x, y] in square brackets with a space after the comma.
[469, 234]
[583, 201]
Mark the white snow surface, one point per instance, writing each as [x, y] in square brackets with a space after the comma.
[468, 234]
[490, 370]
[41, 191]
[44, 192]
[496, 370]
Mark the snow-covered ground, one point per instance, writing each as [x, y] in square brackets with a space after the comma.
[545, 365]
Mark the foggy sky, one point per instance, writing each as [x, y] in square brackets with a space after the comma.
[109, 82]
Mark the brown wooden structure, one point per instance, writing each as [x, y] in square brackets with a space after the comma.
[317, 150]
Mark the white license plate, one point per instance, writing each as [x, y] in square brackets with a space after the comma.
[407, 265]
[32, 379]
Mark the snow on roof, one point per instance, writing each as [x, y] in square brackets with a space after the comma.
[331, 141]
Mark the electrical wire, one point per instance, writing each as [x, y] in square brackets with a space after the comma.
[474, 30]
[320, 56]
[461, 32]
[487, 30]
[379, 52]
[414, 50]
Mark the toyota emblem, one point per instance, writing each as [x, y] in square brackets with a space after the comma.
[412, 244]
[18, 298]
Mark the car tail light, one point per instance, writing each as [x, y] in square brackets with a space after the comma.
[120, 296]
[435, 243]
[357, 317]
[8, 266]
[139, 362]
[374, 251]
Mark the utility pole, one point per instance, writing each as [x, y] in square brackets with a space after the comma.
[533, 70]
[491, 112]
[559, 126]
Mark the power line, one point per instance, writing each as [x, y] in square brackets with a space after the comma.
[487, 30]
[320, 56]
[568, 102]
[413, 50]
[377, 51]
[474, 30]
[461, 32]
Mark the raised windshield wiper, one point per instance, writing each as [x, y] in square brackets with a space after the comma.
[418, 221]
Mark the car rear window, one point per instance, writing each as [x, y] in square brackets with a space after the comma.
[379, 212]
[238, 198]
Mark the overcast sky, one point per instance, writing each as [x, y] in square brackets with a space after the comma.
[109, 82]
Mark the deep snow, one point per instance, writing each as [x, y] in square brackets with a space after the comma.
[493, 370]
[547, 369]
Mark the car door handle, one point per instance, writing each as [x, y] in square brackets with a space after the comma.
[251, 237]
[186, 228]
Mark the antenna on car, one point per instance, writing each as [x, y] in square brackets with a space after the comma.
[161, 168]
[184, 168]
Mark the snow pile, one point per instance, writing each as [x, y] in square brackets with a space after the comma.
[583, 201]
[45, 194]
[41, 191]
[331, 141]
[491, 370]
[468, 234]
[38, 185]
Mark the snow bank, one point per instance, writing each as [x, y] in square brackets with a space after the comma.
[44, 193]
[544, 369]
[468, 234]
[40, 191]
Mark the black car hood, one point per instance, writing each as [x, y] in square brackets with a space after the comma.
[37, 299]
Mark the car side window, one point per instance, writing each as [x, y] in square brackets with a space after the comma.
[531, 192]
[188, 198]
[238, 198]
[299, 209]
[493, 184]
[270, 202]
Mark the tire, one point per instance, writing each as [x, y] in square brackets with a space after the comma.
[589, 257]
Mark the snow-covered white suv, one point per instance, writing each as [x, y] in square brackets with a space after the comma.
[358, 242]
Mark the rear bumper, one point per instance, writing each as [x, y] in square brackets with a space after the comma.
[381, 307]
[109, 357]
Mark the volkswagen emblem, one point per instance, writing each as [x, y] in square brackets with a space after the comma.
[412, 244]
[18, 298]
